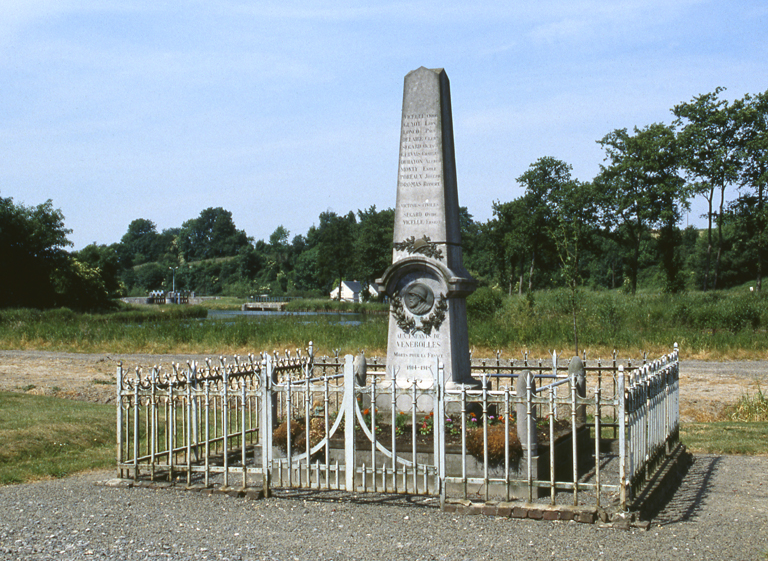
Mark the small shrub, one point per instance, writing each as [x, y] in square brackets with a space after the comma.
[475, 445]
[316, 431]
[298, 426]
[749, 408]
[280, 434]
[484, 302]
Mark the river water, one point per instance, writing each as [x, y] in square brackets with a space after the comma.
[306, 317]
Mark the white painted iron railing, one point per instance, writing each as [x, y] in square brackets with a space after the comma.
[528, 430]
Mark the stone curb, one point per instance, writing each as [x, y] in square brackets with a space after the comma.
[587, 515]
[529, 511]
[248, 493]
[532, 511]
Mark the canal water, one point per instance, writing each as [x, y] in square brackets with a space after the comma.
[306, 317]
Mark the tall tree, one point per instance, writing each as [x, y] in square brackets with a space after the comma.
[543, 177]
[754, 170]
[509, 231]
[32, 242]
[569, 213]
[335, 247]
[212, 234]
[105, 262]
[279, 252]
[643, 190]
[710, 141]
[139, 244]
[373, 245]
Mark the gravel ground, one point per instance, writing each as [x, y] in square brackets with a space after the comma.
[719, 512]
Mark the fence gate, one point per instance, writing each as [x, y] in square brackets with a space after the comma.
[275, 421]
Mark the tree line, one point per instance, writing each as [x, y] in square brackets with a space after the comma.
[619, 230]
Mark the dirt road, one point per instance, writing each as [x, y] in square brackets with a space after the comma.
[705, 387]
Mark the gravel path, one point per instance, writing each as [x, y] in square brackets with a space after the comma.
[719, 512]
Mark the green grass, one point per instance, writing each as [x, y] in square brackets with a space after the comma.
[713, 325]
[726, 437]
[49, 437]
[182, 330]
[749, 408]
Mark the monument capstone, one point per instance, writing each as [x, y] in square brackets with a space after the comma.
[427, 283]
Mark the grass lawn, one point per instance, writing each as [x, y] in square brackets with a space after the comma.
[726, 437]
[50, 437]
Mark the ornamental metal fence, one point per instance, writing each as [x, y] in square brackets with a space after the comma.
[549, 431]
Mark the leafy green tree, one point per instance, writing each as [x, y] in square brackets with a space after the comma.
[710, 143]
[105, 261]
[335, 247]
[569, 212]
[754, 169]
[604, 263]
[81, 286]
[249, 262]
[166, 248]
[212, 234]
[139, 244]
[541, 181]
[373, 245]
[741, 241]
[150, 276]
[278, 264]
[642, 190]
[305, 273]
[480, 252]
[32, 242]
[509, 234]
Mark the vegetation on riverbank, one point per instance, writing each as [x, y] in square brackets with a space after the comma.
[326, 305]
[713, 325]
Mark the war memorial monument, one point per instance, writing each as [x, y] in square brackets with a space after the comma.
[427, 282]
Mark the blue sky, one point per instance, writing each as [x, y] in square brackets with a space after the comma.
[279, 110]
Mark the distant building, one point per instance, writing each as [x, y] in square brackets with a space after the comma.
[351, 291]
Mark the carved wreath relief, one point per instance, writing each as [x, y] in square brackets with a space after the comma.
[424, 246]
[419, 300]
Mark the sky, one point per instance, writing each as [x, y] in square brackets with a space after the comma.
[278, 111]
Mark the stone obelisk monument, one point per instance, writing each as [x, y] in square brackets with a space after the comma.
[427, 282]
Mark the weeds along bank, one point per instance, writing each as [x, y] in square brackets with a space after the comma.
[713, 325]
[717, 325]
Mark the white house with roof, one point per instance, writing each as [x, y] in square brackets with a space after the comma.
[351, 291]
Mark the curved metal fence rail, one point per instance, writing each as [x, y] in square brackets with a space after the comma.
[566, 432]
